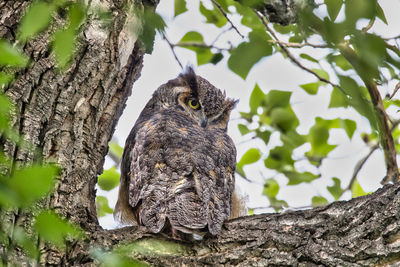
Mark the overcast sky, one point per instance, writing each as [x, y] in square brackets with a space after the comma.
[273, 72]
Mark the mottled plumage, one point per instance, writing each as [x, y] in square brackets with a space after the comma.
[177, 171]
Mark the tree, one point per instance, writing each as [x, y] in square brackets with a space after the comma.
[67, 104]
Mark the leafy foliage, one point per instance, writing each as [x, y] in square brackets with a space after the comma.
[355, 60]
[109, 179]
[151, 22]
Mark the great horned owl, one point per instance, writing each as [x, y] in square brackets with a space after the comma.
[177, 170]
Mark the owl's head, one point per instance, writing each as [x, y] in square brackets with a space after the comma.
[197, 98]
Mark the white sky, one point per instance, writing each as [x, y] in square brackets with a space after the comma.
[273, 72]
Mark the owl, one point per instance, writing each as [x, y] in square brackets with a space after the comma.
[177, 169]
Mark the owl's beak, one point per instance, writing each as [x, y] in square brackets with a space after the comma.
[204, 122]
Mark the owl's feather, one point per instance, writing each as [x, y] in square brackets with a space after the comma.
[175, 172]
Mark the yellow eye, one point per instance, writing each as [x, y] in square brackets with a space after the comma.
[193, 103]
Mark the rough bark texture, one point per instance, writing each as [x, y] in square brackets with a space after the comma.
[72, 116]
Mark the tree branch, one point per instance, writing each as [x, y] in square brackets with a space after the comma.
[173, 50]
[385, 136]
[297, 45]
[202, 45]
[359, 166]
[226, 16]
[289, 55]
[344, 233]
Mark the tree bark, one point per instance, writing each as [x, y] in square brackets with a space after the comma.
[72, 116]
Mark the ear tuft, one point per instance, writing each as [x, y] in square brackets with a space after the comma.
[189, 76]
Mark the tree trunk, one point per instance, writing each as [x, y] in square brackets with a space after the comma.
[72, 116]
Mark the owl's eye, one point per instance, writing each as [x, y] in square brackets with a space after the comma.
[193, 103]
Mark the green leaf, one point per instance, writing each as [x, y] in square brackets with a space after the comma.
[349, 126]
[6, 108]
[5, 79]
[213, 16]
[333, 7]
[102, 206]
[55, 230]
[285, 29]
[284, 119]
[35, 20]
[279, 158]
[380, 14]
[217, 57]
[311, 88]
[318, 137]
[203, 54]
[271, 188]
[319, 201]
[151, 22]
[32, 183]
[10, 56]
[300, 177]
[338, 99]
[263, 135]
[25, 242]
[239, 170]
[309, 58]
[335, 190]
[357, 191]
[256, 99]
[247, 116]
[321, 73]
[109, 179]
[371, 50]
[358, 100]
[356, 9]
[252, 155]
[243, 129]
[8, 196]
[249, 17]
[340, 61]
[115, 259]
[252, 3]
[277, 98]
[277, 204]
[63, 46]
[192, 37]
[76, 15]
[250, 211]
[292, 139]
[115, 149]
[247, 54]
[180, 7]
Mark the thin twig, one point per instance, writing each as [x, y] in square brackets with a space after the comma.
[226, 16]
[291, 45]
[202, 45]
[173, 51]
[359, 166]
[397, 87]
[289, 55]
[369, 26]
[363, 160]
[297, 45]
[220, 34]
